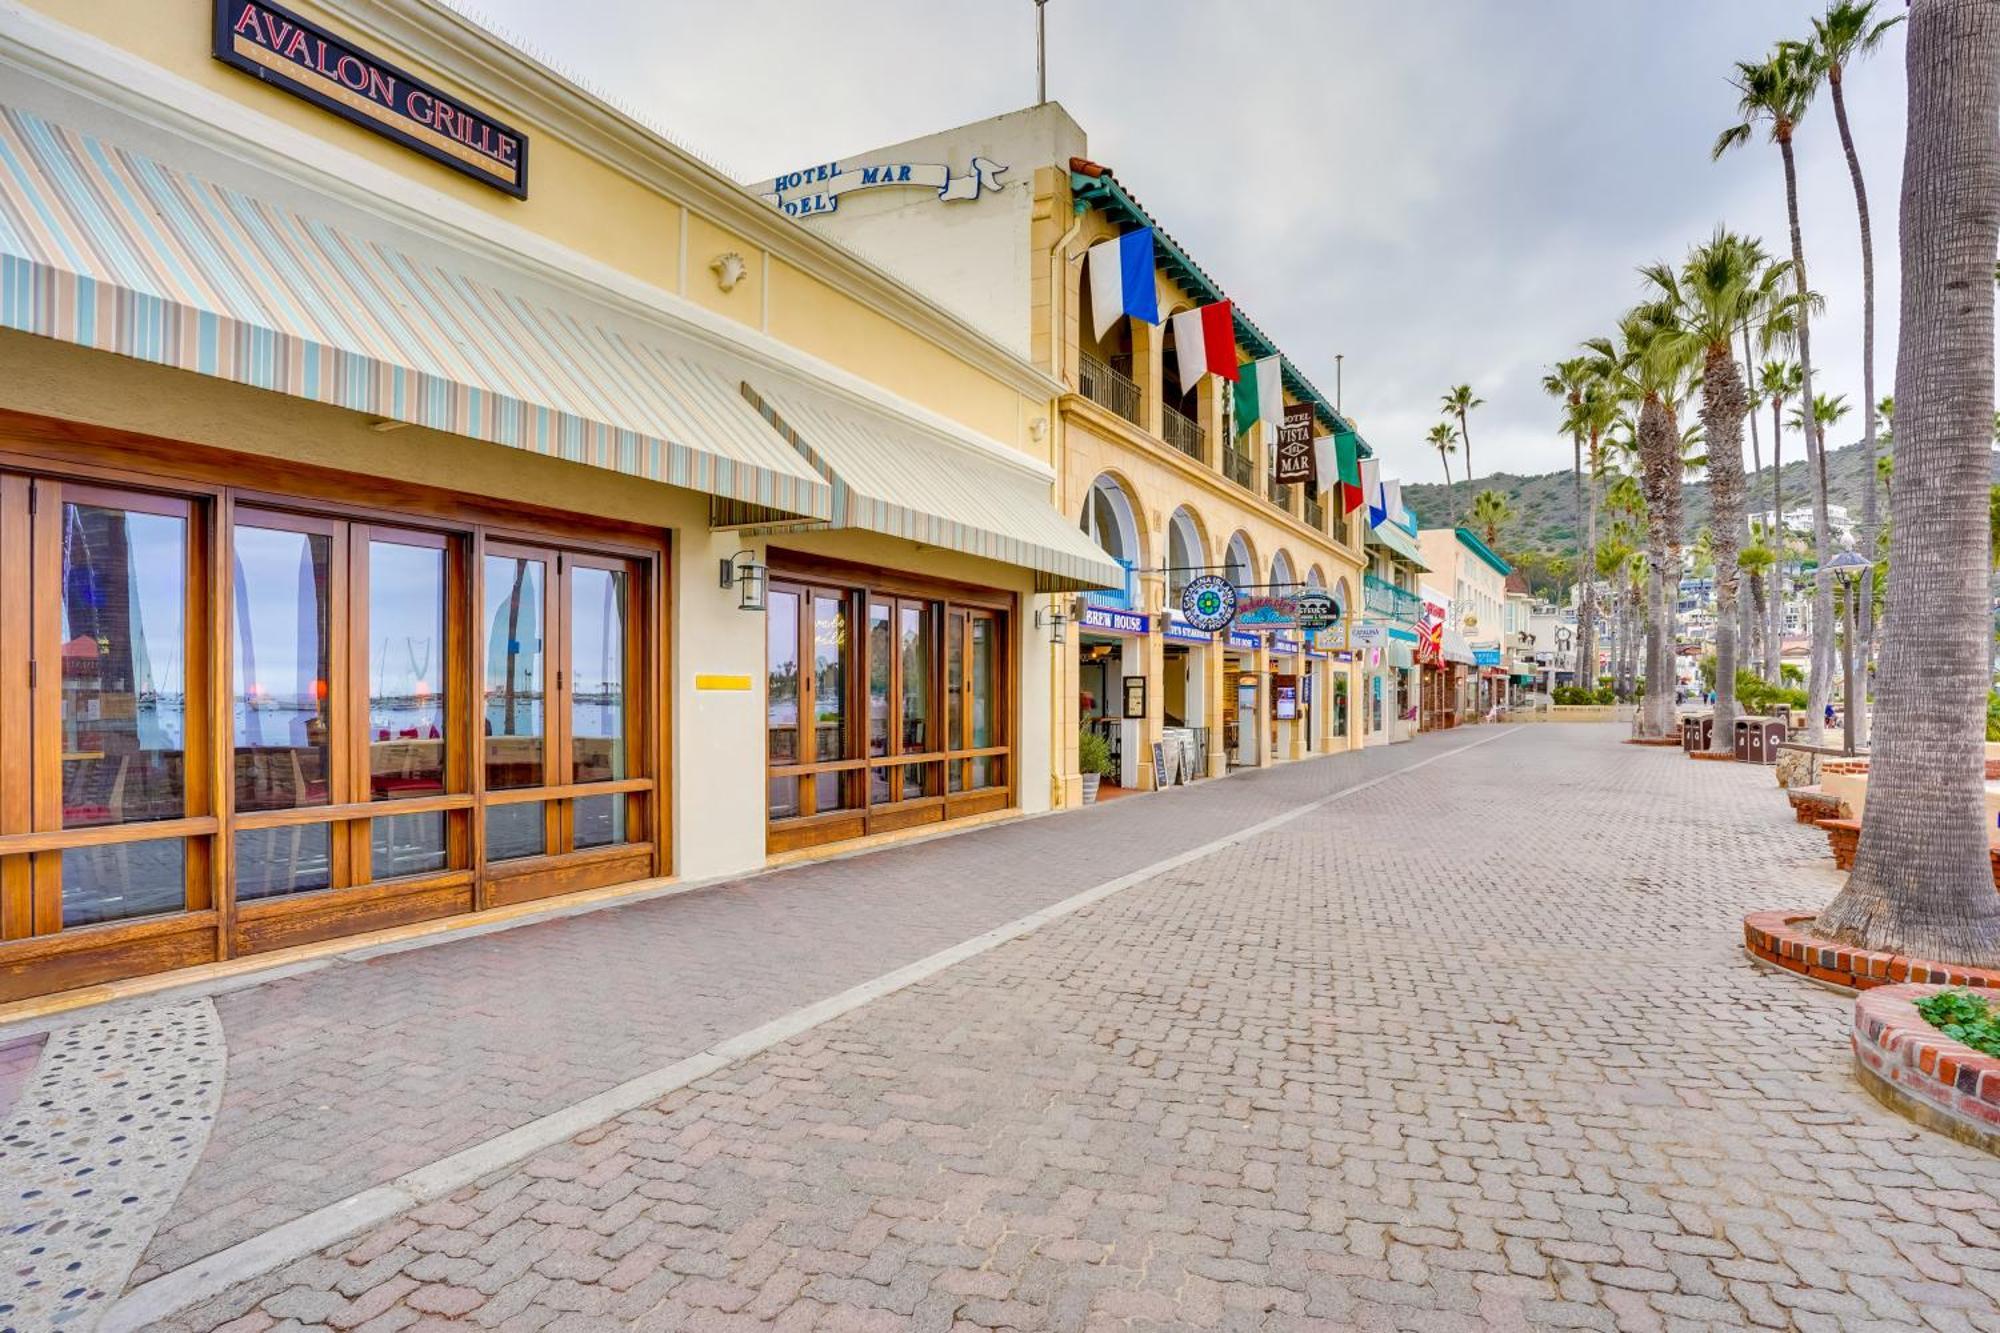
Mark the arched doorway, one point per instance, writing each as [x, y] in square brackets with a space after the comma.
[1111, 643]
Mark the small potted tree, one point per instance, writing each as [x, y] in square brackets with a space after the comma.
[1093, 760]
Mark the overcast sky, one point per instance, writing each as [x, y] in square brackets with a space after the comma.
[1444, 190]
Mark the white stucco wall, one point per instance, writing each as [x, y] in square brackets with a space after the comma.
[969, 255]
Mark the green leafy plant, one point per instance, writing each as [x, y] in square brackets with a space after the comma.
[1579, 694]
[1964, 1017]
[1093, 753]
[1992, 716]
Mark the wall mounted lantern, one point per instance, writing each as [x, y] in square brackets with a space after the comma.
[742, 572]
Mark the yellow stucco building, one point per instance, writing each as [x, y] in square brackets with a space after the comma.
[1148, 466]
[427, 489]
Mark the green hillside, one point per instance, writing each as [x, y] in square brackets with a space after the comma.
[1546, 513]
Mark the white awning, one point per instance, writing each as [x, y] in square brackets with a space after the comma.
[894, 477]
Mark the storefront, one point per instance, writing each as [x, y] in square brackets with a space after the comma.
[1186, 654]
[1112, 685]
[1244, 699]
[908, 685]
[363, 537]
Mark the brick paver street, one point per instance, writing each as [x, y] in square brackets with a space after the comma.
[1475, 1047]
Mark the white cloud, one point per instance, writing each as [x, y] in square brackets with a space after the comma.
[1446, 191]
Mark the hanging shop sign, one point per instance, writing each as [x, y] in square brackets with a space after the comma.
[1118, 622]
[817, 189]
[1177, 630]
[1366, 636]
[1208, 602]
[1281, 647]
[1316, 609]
[304, 59]
[1490, 657]
[1293, 459]
[1248, 642]
[1277, 608]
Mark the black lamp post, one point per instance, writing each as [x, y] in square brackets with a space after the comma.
[1849, 567]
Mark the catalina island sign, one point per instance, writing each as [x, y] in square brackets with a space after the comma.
[817, 189]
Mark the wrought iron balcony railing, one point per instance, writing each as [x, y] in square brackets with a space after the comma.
[1384, 598]
[1237, 466]
[1182, 432]
[1103, 385]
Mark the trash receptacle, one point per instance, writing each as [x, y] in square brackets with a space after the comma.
[1745, 729]
[1766, 735]
[1690, 734]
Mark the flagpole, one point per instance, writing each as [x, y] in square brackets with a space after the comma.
[1041, 52]
[1338, 357]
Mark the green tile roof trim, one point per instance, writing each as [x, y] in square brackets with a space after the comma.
[1105, 194]
[1483, 551]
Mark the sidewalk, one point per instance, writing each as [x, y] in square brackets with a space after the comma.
[348, 1076]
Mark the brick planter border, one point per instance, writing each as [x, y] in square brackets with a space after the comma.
[1777, 938]
[1914, 1069]
[1718, 758]
[1662, 741]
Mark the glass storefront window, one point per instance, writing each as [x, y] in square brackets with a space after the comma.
[516, 612]
[517, 830]
[283, 662]
[831, 653]
[983, 703]
[597, 675]
[124, 679]
[600, 821]
[401, 845]
[274, 862]
[123, 881]
[407, 673]
[915, 645]
[881, 665]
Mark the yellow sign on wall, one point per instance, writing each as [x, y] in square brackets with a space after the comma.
[708, 682]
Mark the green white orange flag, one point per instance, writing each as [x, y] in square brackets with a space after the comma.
[1260, 393]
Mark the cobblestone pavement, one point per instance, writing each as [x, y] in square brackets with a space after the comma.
[1474, 1048]
[349, 1076]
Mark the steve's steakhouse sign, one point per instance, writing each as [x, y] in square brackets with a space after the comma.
[283, 49]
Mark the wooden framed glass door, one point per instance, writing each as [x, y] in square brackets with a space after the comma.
[562, 724]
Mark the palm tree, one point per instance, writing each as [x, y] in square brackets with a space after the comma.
[1445, 440]
[1756, 561]
[1567, 382]
[1922, 883]
[1458, 401]
[1777, 381]
[1778, 90]
[1650, 366]
[1726, 284]
[1847, 33]
[1490, 513]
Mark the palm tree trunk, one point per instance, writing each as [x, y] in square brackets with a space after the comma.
[1724, 403]
[1660, 471]
[1822, 630]
[1586, 624]
[1465, 438]
[1756, 471]
[1865, 607]
[1774, 622]
[1922, 883]
[1450, 495]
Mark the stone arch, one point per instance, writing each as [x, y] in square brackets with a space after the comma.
[1113, 519]
[1282, 569]
[1187, 551]
[1316, 577]
[1240, 559]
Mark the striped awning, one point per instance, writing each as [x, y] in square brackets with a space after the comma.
[890, 477]
[110, 249]
[1393, 537]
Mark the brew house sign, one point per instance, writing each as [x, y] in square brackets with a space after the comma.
[307, 61]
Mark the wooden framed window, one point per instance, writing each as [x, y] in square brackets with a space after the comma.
[235, 717]
[887, 707]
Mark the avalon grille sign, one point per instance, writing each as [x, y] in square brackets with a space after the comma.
[306, 60]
